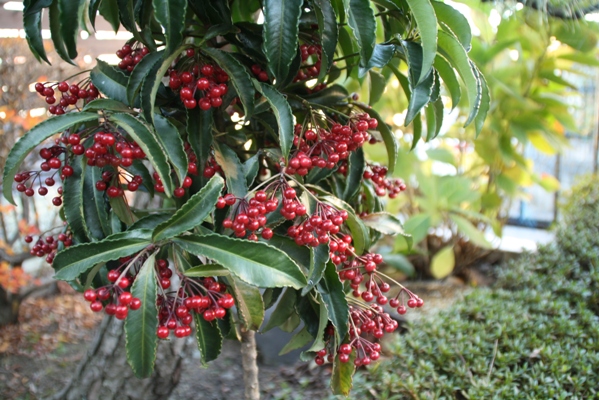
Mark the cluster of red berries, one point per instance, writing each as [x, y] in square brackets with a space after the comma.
[114, 299]
[321, 228]
[260, 73]
[211, 168]
[324, 148]
[111, 183]
[131, 54]
[50, 155]
[309, 71]
[48, 246]
[204, 296]
[109, 148]
[248, 216]
[382, 184]
[69, 94]
[199, 85]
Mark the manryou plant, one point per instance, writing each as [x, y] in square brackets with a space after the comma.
[244, 135]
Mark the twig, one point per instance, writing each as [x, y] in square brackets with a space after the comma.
[493, 359]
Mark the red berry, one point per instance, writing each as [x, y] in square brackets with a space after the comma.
[90, 295]
[96, 306]
[125, 298]
[162, 332]
[135, 303]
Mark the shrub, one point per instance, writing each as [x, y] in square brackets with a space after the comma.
[534, 335]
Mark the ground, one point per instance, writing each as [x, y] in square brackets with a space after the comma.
[38, 355]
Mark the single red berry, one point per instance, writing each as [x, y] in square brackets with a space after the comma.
[124, 283]
[162, 332]
[135, 304]
[125, 298]
[90, 295]
[96, 306]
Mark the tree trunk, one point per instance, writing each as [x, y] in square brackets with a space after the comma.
[105, 374]
[250, 367]
[9, 307]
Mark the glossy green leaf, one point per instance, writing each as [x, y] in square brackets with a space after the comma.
[32, 24]
[424, 14]
[333, 296]
[347, 45]
[75, 260]
[420, 90]
[193, 212]
[69, 23]
[450, 80]
[73, 202]
[281, 28]
[453, 21]
[249, 304]
[110, 81]
[110, 11]
[319, 257]
[171, 141]
[342, 378]
[416, 132]
[360, 18]
[256, 263]
[453, 51]
[149, 87]
[34, 137]
[323, 322]
[199, 133]
[171, 15]
[239, 77]
[206, 270]
[431, 122]
[356, 165]
[209, 338]
[485, 102]
[233, 169]
[150, 221]
[107, 105]
[400, 263]
[56, 32]
[141, 324]
[299, 254]
[126, 10]
[298, 341]
[328, 32]
[140, 72]
[94, 205]
[285, 307]
[380, 57]
[251, 167]
[391, 143]
[378, 83]
[146, 138]
[384, 222]
[283, 114]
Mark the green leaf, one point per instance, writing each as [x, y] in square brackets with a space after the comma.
[209, 338]
[360, 17]
[418, 226]
[193, 212]
[283, 114]
[328, 33]
[391, 143]
[171, 141]
[284, 309]
[127, 17]
[356, 165]
[34, 137]
[73, 202]
[420, 91]
[141, 324]
[206, 270]
[319, 257]
[298, 341]
[470, 231]
[233, 169]
[380, 57]
[107, 105]
[199, 134]
[323, 322]
[239, 77]
[149, 87]
[348, 49]
[378, 83]
[75, 260]
[251, 167]
[455, 22]
[248, 302]
[450, 79]
[443, 263]
[584, 59]
[140, 72]
[485, 102]
[333, 296]
[149, 221]
[171, 15]
[32, 23]
[384, 222]
[69, 23]
[281, 28]
[453, 51]
[94, 206]
[110, 81]
[400, 263]
[341, 380]
[431, 122]
[424, 14]
[56, 33]
[254, 262]
[300, 254]
[109, 9]
[151, 146]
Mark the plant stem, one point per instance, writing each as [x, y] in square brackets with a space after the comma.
[250, 367]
